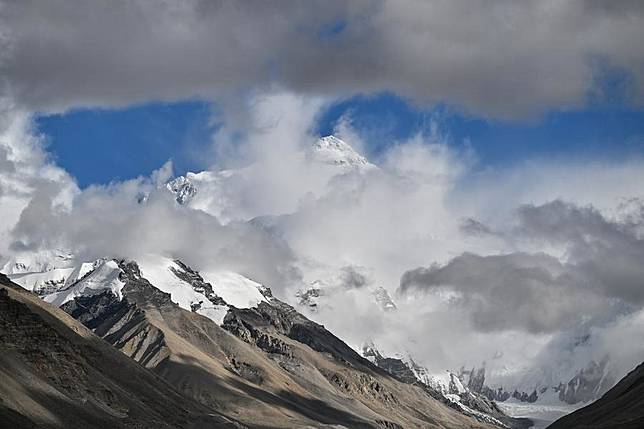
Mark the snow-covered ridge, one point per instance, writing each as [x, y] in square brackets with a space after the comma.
[332, 150]
[53, 280]
[236, 289]
[210, 293]
[104, 276]
[447, 386]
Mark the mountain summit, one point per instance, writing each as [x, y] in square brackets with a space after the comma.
[332, 150]
[215, 192]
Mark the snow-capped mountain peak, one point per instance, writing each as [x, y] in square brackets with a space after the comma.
[207, 190]
[331, 150]
[211, 293]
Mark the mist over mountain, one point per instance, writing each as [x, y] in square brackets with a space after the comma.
[383, 214]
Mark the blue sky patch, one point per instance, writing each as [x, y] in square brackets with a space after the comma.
[99, 146]
[603, 130]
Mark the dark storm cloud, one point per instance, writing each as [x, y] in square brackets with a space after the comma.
[515, 291]
[610, 252]
[537, 292]
[500, 58]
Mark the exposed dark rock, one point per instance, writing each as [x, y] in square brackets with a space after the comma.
[246, 371]
[269, 365]
[395, 367]
[120, 323]
[586, 384]
[197, 282]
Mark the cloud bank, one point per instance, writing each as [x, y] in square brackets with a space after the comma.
[496, 59]
[473, 280]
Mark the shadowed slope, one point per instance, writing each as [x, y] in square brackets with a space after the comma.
[266, 366]
[56, 373]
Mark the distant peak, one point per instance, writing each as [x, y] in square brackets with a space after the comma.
[334, 151]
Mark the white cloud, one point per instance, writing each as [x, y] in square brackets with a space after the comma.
[26, 173]
[310, 222]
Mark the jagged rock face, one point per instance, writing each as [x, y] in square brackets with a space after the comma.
[476, 380]
[587, 385]
[197, 282]
[455, 395]
[121, 324]
[183, 189]
[266, 363]
[308, 298]
[621, 407]
[498, 394]
[283, 319]
[394, 366]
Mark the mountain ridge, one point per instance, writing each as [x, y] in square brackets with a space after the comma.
[265, 363]
[58, 374]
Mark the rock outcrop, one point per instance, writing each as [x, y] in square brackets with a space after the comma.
[621, 407]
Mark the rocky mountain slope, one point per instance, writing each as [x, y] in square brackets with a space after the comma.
[555, 382]
[104, 296]
[451, 393]
[621, 407]
[259, 362]
[56, 373]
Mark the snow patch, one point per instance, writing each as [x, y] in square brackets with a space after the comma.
[331, 150]
[216, 313]
[157, 270]
[104, 277]
[235, 289]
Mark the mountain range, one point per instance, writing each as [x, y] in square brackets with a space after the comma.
[151, 341]
[120, 352]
